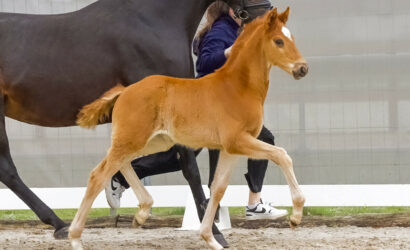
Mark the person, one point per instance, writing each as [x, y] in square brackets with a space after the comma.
[212, 46]
[220, 22]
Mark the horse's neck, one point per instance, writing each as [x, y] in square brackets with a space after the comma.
[251, 68]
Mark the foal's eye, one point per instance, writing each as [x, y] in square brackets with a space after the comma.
[279, 43]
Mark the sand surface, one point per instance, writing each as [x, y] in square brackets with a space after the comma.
[169, 238]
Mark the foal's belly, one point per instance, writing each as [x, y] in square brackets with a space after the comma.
[197, 137]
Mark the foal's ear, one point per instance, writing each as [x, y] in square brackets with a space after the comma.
[284, 15]
[271, 18]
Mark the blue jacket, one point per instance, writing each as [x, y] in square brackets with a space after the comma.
[211, 48]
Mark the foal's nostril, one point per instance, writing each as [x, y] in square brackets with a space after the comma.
[300, 70]
[303, 70]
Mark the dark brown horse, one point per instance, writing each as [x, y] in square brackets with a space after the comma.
[52, 65]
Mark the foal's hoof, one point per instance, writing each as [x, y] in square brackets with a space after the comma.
[293, 225]
[135, 223]
[294, 222]
[221, 240]
[138, 222]
[61, 234]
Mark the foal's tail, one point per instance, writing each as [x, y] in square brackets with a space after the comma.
[100, 110]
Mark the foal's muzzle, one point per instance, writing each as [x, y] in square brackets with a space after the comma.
[300, 70]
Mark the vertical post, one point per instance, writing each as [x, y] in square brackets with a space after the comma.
[113, 212]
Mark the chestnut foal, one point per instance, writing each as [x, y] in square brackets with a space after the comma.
[223, 110]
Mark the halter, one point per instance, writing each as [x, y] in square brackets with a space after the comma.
[242, 12]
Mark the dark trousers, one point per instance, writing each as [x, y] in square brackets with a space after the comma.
[168, 161]
[159, 163]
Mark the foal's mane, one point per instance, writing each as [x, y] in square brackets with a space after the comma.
[250, 31]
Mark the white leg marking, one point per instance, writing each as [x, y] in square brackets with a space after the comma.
[76, 244]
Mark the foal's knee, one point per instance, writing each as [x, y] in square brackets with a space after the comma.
[283, 159]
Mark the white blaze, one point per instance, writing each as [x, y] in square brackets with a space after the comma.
[286, 32]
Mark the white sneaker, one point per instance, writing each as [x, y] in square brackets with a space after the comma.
[113, 193]
[264, 211]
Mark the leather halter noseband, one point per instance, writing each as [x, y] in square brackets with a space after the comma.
[242, 12]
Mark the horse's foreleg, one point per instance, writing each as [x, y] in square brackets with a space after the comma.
[213, 162]
[191, 173]
[221, 179]
[9, 176]
[257, 168]
[144, 198]
[256, 149]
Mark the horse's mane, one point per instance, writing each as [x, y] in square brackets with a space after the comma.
[247, 33]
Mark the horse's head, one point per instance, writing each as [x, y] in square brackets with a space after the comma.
[279, 45]
[247, 10]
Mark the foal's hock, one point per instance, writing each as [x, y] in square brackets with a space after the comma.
[223, 110]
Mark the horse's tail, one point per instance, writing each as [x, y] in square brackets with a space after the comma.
[100, 110]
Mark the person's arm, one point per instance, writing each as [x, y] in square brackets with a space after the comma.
[213, 51]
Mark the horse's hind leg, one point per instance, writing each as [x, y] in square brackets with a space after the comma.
[113, 162]
[144, 198]
[10, 177]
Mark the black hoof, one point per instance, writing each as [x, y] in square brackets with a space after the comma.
[61, 234]
[221, 240]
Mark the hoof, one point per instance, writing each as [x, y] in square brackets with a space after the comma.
[221, 240]
[293, 225]
[61, 234]
[135, 223]
[293, 222]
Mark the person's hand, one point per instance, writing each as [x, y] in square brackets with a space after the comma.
[227, 52]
